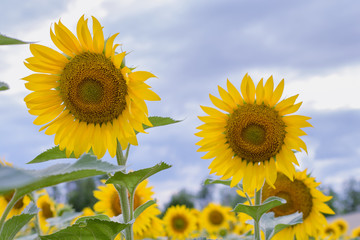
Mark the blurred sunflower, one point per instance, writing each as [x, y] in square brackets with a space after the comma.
[86, 212]
[47, 210]
[155, 230]
[109, 204]
[19, 206]
[179, 222]
[355, 232]
[330, 232]
[302, 196]
[254, 137]
[85, 95]
[342, 225]
[215, 217]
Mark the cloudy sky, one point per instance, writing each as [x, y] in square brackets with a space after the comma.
[193, 46]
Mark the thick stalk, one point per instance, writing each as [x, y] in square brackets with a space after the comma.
[123, 194]
[257, 223]
[8, 208]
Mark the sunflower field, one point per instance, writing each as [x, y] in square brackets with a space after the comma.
[93, 103]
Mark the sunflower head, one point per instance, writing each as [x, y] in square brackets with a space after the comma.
[251, 133]
[355, 232]
[47, 210]
[109, 204]
[302, 196]
[215, 217]
[85, 94]
[342, 225]
[179, 222]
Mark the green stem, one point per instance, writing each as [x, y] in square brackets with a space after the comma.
[248, 198]
[257, 223]
[37, 223]
[8, 208]
[127, 212]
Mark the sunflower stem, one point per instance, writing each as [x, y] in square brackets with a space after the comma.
[8, 208]
[257, 223]
[127, 212]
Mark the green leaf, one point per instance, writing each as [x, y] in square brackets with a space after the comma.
[63, 220]
[26, 181]
[3, 86]
[213, 181]
[99, 216]
[142, 207]
[4, 40]
[160, 121]
[14, 224]
[257, 211]
[51, 154]
[90, 229]
[272, 225]
[132, 179]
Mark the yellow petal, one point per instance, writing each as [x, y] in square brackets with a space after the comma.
[260, 92]
[269, 87]
[286, 103]
[220, 104]
[109, 45]
[98, 36]
[68, 37]
[42, 78]
[65, 49]
[226, 97]
[277, 93]
[118, 58]
[234, 93]
[48, 55]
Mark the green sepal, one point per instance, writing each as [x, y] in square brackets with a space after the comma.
[13, 225]
[3, 86]
[214, 181]
[51, 154]
[142, 207]
[4, 40]
[256, 211]
[26, 181]
[90, 229]
[132, 179]
[160, 121]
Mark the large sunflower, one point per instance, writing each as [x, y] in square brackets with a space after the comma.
[215, 217]
[109, 204]
[19, 206]
[253, 137]
[302, 196]
[85, 95]
[179, 222]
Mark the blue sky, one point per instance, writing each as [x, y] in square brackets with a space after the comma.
[193, 46]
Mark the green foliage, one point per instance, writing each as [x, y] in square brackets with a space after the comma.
[132, 179]
[3, 86]
[81, 195]
[26, 181]
[180, 198]
[99, 216]
[142, 208]
[4, 40]
[351, 200]
[51, 154]
[256, 211]
[160, 121]
[271, 225]
[14, 224]
[90, 229]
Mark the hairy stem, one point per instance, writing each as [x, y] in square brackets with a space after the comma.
[127, 212]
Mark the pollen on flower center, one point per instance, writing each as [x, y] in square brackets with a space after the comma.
[92, 88]
[255, 132]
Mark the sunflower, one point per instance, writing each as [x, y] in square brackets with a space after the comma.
[179, 222]
[109, 204]
[215, 217]
[47, 210]
[342, 225]
[330, 232]
[85, 95]
[19, 206]
[355, 232]
[302, 196]
[252, 136]
[155, 230]
[86, 212]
